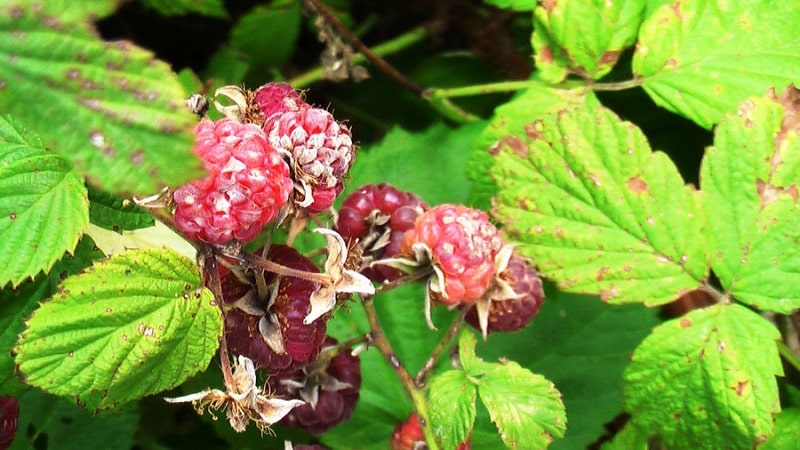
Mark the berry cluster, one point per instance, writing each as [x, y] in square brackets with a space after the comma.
[271, 148]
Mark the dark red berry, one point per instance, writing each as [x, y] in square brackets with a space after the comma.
[244, 338]
[377, 217]
[9, 415]
[330, 389]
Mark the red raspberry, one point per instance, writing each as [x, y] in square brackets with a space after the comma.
[329, 388]
[320, 150]
[245, 326]
[246, 185]
[461, 244]
[9, 414]
[408, 436]
[378, 216]
[513, 313]
[273, 98]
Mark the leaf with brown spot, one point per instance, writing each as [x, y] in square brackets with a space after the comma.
[748, 182]
[683, 388]
[599, 212]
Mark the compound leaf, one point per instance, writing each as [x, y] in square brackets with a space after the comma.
[597, 210]
[132, 325]
[701, 58]
[583, 37]
[706, 379]
[110, 107]
[749, 184]
[43, 205]
[452, 407]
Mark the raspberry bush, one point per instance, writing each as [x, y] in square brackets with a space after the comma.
[311, 224]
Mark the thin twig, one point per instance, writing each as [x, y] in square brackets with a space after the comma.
[257, 262]
[443, 343]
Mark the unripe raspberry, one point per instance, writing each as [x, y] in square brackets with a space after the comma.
[513, 313]
[330, 391]
[460, 244]
[273, 98]
[320, 150]
[9, 415]
[377, 216]
[247, 183]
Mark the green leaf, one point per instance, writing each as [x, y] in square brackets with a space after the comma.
[117, 214]
[707, 379]
[63, 12]
[135, 324]
[749, 185]
[267, 34]
[516, 5]
[583, 346]
[597, 210]
[787, 431]
[15, 305]
[54, 423]
[526, 407]
[701, 58]
[510, 118]
[114, 111]
[452, 398]
[43, 205]
[212, 8]
[629, 438]
[583, 37]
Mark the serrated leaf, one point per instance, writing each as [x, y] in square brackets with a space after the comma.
[701, 58]
[787, 431]
[583, 37]
[128, 128]
[749, 185]
[597, 210]
[113, 213]
[15, 305]
[516, 5]
[135, 324]
[509, 118]
[452, 398]
[212, 8]
[63, 12]
[61, 425]
[267, 34]
[526, 407]
[707, 379]
[43, 205]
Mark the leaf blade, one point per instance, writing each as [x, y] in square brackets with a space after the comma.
[452, 407]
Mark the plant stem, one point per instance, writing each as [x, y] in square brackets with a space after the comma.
[440, 347]
[397, 44]
[418, 399]
[788, 355]
[434, 94]
[257, 262]
[211, 270]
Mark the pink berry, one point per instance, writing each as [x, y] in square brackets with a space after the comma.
[320, 150]
[514, 313]
[273, 98]
[9, 415]
[247, 183]
[377, 217]
[331, 391]
[461, 244]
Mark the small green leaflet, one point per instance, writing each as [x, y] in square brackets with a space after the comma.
[700, 58]
[268, 34]
[43, 205]
[110, 107]
[597, 210]
[749, 184]
[707, 379]
[135, 324]
[113, 213]
[583, 37]
[213, 8]
[452, 407]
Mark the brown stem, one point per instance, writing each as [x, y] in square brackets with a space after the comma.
[443, 343]
[257, 262]
[388, 286]
[379, 62]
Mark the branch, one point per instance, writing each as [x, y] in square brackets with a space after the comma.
[440, 347]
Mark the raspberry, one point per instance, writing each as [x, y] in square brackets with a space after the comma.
[273, 98]
[408, 436]
[254, 321]
[9, 414]
[377, 217]
[513, 313]
[330, 389]
[461, 244]
[247, 183]
[320, 151]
